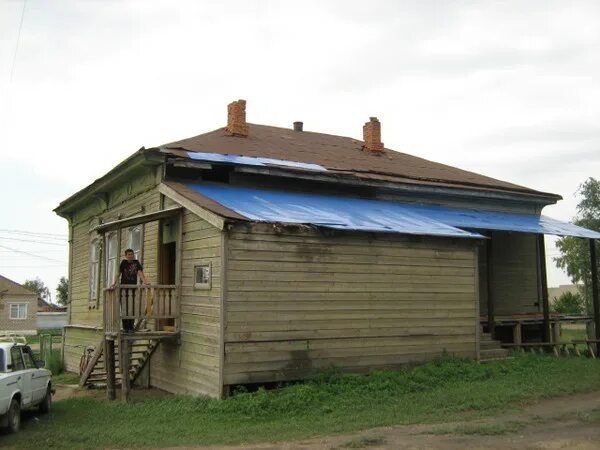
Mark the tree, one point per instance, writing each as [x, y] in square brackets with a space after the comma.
[575, 256]
[62, 291]
[37, 285]
[569, 303]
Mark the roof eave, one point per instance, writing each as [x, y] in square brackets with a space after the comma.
[409, 184]
[140, 158]
[525, 194]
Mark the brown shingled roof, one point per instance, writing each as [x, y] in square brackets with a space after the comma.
[336, 153]
[10, 287]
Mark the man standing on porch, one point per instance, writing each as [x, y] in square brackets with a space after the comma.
[129, 270]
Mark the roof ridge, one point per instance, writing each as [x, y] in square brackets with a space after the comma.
[17, 284]
[342, 153]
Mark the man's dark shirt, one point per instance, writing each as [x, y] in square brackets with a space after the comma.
[129, 271]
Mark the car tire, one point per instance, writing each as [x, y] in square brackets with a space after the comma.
[14, 416]
[47, 402]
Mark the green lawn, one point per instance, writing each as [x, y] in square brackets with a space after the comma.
[441, 391]
[65, 378]
[573, 334]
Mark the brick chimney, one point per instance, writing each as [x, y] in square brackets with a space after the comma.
[372, 135]
[236, 118]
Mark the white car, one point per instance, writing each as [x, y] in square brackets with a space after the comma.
[23, 384]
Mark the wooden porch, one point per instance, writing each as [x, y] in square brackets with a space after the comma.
[545, 324]
[154, 310]
[122, 355]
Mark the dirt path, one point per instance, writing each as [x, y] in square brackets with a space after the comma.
[560, 423]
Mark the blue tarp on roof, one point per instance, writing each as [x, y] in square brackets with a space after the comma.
[252, 160]
[491, 220]
[377, 215]
[330, 211]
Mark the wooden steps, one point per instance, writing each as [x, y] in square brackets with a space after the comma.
[141, 351]
[490, 349]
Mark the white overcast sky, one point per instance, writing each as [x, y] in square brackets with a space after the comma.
[507, 89]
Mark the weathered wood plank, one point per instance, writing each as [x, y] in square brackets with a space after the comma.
[298, 373]
[273, 256]
[325, 306]
[332, 333]
[282, 286]
[240, 267]
[399, 356]
[192, 367]
[300, 301]
[322, 249]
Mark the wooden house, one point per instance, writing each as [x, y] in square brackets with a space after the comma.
[274, 253]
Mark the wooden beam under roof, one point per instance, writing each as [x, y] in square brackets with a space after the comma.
[137, 220]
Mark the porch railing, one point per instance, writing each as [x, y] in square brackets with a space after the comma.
[141, 303]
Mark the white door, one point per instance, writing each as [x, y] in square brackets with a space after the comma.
[38, 377]
[23, 375]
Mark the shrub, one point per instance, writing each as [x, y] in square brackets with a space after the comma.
[55, 363]
[569, 303]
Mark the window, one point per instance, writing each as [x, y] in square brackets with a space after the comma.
[17, 359]
[112, 253]
[134, 241]
[2, 361]
[202, 274]
[94, 269]
[28, 357]
[18, 311]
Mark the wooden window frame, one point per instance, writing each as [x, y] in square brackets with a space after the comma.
[139, 257]
[94, 267]
[110, 277]
[10, 309]
[16, 349]
[203, 286]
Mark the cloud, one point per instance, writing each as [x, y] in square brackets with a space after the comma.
[508, 89]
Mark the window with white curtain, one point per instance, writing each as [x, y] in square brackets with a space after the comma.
[94, 266]
[112, 254]
[134, 241]
[18, 311]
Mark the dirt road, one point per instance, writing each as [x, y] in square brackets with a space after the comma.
[561, 423]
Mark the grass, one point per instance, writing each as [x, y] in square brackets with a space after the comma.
[438, 392]
[55, 363]
[591, 416]
[65, 378]
[573, 334]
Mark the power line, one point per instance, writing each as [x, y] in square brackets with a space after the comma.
[29, 266]
[30, 240]
[31, 254]
[12, 70]
[54, 251]
[33, 233]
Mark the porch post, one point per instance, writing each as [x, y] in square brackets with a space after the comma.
[109, 362]
[124, 349]
[490, 290]
[544, 287]
[595, 300]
